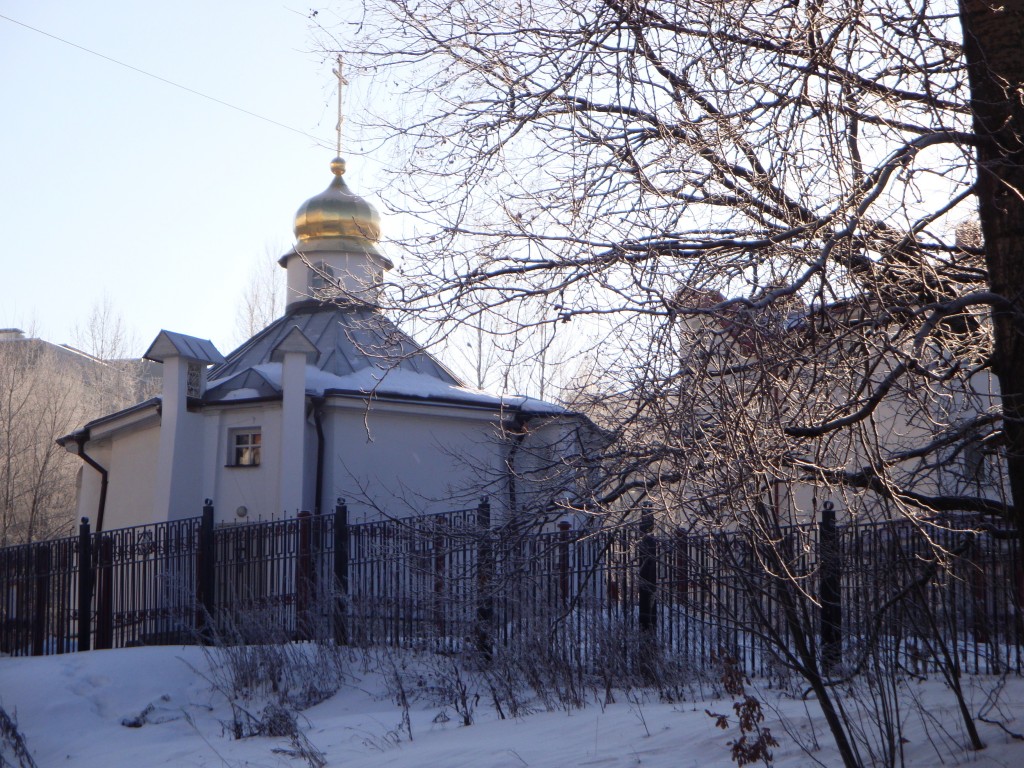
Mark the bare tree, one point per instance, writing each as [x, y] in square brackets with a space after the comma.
[752, 210]
[807, 165]
[119, 377]
[262, 299]
[46, 391]
[104, 333]
[513, 354]
[991, 34]
[41, 398]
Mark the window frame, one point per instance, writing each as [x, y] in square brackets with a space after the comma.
[245, 447]
[321, 278]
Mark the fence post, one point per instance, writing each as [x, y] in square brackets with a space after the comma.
[341, 555]
[485, 578]
[205, 569]
[104, 592]
[680, 545]
[441, 543]
[84, 586]
[304, 578]
[648, 571]
[830, 563]
[646, 586]
[41, 604]
[563, 561]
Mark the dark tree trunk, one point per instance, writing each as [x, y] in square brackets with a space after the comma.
[994, 49]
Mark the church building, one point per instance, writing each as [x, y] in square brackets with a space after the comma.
[330, 401]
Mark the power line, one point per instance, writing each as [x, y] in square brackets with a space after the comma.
[165, 80]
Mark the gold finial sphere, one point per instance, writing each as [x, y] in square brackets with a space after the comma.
[338, 166]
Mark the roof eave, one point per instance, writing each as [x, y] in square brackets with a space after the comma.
[86, 431]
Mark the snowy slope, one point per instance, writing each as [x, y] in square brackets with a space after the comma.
[70, 709]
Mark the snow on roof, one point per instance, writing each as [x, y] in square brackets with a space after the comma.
[360, 352]
[375, 382]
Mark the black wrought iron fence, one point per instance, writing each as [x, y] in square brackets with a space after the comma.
[454, 580]
[121, 587]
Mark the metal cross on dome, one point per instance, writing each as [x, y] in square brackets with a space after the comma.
[341, 115]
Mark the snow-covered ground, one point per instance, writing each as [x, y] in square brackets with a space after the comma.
[72, 709]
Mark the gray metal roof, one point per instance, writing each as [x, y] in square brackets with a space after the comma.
[359, 353]
[348, 340]
[169, 343]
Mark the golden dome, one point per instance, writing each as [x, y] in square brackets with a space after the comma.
[337, 212]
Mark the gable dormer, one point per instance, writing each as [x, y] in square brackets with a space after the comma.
[185, 360]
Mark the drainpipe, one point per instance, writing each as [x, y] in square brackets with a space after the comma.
[318, 420]
[80, 440]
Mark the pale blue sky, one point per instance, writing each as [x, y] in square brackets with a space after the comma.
[113, 182]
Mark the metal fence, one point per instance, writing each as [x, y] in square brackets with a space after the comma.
[121, 587]
[921, 591]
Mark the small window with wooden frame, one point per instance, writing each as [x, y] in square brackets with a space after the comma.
[245, 447]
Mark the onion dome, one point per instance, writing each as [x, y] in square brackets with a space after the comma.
[337, 212]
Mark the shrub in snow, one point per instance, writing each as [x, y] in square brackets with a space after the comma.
[13, 750]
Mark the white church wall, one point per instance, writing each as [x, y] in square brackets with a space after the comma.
[298, 280]
[254, 487]
[309, 476]
[212, 452]
[545, 467]
[316, 273]
[399, 460]
[186, 489]
[130, 489]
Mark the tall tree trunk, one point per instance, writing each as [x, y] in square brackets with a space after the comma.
[994, 49]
